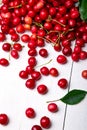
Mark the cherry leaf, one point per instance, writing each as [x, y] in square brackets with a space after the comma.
[74, 97]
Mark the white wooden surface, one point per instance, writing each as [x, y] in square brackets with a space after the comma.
[15, 97]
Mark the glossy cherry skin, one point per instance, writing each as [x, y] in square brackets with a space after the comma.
[30, 83]
[63, 83]
[30, 113]
[42, 89]
[6, 47]
[4, 119]
[54, 72]
[23, 74]
[4, 62]
[61, 59]
[36, 75]
[36, 127]
[52, 107]
[84, 74]
[45, 122]
[43, 52]
[44, 70]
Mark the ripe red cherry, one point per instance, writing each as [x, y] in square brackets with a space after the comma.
[44, 70]
[36, 127]
[83, 55]
[29, 69]
[54, 72]
[30, 83]
[32, 44]
[84, 74]
[17, 46]
[45, 122]
[32, 61]
[25, 38]
[30, 113]
[61, 59]
[4, 62]
[75, 56]
[43, 14]
[36, 75]
[2, 37]
[4, 119]
[20, 28]
[43, 52]
[42, 89]
[63, 83]
[23, 74]
[14, 54]
[6, 47]
[32, 52]
[15, 37]
[67, 51]
[52, 107]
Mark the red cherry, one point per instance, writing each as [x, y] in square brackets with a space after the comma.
[17, 46]
[43, 14]
[29, 69]
[63, 83]
[23, 74]
[54, 72]
[83, 55]
[30, 83]
[43, 52]
[52, 107]
[36, 127]
[25, 38]
[30, 113]
[6, 47]
[4, 62]
[84, 74]
[2, 37]
[14, 54]
[61, 59]
[45, 122]
[36, 75]
[4, 119]
[42, 89]
[32, 61]
[44, 70]
[75, 56]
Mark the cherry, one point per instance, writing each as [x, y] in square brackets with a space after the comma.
[4, 119]
[36, 75]
[62, 10]
[30, 83]
[32, 52]
[29, 69]
[36, 127]
[83, 55]
[25, 38]
[75, 56]
[16, 21]
[80, 42]
[54, 72]
[52, 107]
[42, 89]
[30, 112]
[43, 52]
[44, 70]
[14, 53]
[77, 49]
[40, 42]
[4, 62]
[61, 59]
[17, 46]
[67, 51]
[6, 47]
[32, 61]
[45, 122]
[28, 20]
[20, 28]
[62, 83]
[41, 32]
[44, 14]
[15, 37]
[84, 74]
[52, 11]
[32, 44]
[2, 37]
[23, 74]
[47, 25]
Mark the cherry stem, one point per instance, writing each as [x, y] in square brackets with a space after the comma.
[18, 6]
[44, 63]
[53, 101]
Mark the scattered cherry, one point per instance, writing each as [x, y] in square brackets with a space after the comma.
[4, 62]
[84, 74]
[36, 127]
[4, 119]
[45, 122]
[63, 83]
[52, 107]
[42, 89]
[30, 112]
[54, 72]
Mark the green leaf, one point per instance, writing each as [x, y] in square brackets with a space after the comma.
[83, 9]
[74, 97]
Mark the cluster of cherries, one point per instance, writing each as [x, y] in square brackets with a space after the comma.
[50, 22]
